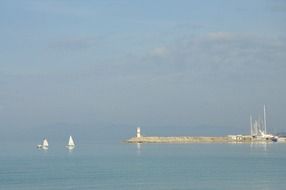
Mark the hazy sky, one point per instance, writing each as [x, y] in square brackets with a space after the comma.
[177, 67]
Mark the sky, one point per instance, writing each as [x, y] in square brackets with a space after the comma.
[98, 69]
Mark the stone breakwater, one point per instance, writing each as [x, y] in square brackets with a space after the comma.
[188, 139]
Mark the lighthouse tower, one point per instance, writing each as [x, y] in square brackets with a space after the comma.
[138, 134]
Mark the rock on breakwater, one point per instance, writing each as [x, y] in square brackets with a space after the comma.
[187, 139]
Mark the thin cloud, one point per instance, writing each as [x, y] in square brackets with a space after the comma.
[277, 6]
[59, 8]
[160, 51]
[220, 52]
[74, 44]
[222, 36]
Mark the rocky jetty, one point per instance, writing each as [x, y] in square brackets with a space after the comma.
[139, 138]
[189, 139]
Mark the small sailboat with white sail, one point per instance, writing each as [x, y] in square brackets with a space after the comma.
[71, 144]
[44, 145]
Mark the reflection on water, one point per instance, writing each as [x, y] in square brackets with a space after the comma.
[138, 149]
[70, 150]
[261, 145]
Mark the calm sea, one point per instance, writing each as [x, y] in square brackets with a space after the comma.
[148, 166]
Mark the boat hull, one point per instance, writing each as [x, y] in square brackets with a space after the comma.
[70, 147]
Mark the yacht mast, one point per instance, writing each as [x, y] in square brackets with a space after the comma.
[251, 127]
[264, 116]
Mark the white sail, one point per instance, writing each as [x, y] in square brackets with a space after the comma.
[71, 142]
[45, 143]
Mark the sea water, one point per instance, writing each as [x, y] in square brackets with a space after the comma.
[146, 166]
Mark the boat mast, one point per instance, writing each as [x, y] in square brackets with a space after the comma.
[264, 119]
[251, 127]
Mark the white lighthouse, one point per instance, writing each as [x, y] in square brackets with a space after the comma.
[138, 132]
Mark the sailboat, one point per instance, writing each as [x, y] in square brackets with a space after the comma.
[70, 144]
[44, 145]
